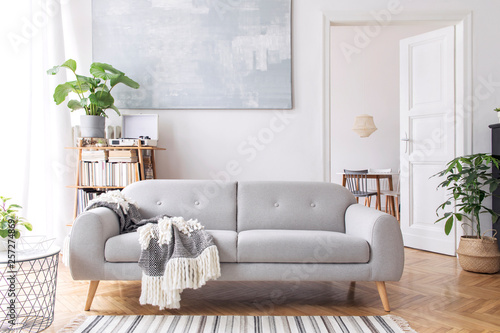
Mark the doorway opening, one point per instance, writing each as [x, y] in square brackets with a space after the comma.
[362, 76]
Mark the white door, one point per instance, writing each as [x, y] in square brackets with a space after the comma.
[427, 113]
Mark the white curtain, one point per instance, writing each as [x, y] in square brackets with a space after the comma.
[35, 167]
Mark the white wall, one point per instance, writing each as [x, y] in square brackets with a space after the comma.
[366, 83]
[202, 141]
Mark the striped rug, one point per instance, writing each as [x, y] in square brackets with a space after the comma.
[236, 324]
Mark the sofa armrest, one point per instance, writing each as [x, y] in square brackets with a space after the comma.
[89, 234]
[383, 233]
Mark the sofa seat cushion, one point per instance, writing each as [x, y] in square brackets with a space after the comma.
[126, 248]
[301, 246]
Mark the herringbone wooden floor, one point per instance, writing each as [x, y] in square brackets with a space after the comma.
[434, 295]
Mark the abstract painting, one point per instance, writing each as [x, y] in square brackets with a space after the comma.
[197, 54]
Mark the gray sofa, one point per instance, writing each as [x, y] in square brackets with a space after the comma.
[264, 231]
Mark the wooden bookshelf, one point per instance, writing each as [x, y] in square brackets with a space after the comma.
[141, 172]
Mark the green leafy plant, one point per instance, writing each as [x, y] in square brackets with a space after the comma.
[497, 109]
[9, 220]
[94, 93]
[469, 180]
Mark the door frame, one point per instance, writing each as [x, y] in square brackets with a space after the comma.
[462, 20]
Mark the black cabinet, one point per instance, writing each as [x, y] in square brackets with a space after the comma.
[495, 150]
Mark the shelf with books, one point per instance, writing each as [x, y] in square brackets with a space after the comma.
[84, 197]
[105, 173]
[100, 169]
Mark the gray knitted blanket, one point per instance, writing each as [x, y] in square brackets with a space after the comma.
[175, 254]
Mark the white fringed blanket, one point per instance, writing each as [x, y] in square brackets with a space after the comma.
[176, 254]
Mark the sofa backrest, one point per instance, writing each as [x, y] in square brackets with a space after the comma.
[292, 205]
[211, 202]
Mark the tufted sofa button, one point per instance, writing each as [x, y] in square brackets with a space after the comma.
[276, 205]
[313, 205]
[158, 203]
[197, 203]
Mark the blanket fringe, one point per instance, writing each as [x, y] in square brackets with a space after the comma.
[115, 197]
[164, 231]
[180, 273]
[146, 232]
[151, 293]
[403, 324]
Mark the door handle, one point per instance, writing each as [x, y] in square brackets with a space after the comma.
[405, 139]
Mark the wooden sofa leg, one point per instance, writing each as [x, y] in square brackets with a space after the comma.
[90, 296]
[383, 295]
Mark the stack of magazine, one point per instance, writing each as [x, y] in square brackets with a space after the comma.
[94, 155]
[129, 156]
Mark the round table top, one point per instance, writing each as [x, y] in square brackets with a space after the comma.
[21, 255]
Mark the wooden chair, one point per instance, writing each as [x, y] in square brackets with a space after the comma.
[357, 183]
[384, 183]
[391, 208]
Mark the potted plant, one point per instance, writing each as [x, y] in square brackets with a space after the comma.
[9, 220]
[498, 113]
[470, 181]
[94, 94]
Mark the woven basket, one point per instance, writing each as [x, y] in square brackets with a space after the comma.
[479, 255]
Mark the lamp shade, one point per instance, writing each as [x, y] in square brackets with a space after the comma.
[364, 125]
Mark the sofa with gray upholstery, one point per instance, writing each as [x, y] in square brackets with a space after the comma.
[264, 231]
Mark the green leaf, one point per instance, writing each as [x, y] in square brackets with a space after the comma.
[90, 81]
[440, 219]
[76, 104]
[102, 99]
[102, 87]
[448, 225]
[28, 225]
[70, 64]
[54, 70]
[104, 71]
[116, 109]
[61, 92]
[495, 162]
[125, 80]
[17, 234]
[4, 233]
[79, 86]
[466, 160]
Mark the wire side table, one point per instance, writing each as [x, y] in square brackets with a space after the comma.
[28, 290]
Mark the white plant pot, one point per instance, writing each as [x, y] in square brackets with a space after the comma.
[92, 126]
[498, 114]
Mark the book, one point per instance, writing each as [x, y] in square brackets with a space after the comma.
[122, 153]
[84, 197]
[94, 155]
[108, 174]
[132, 159]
